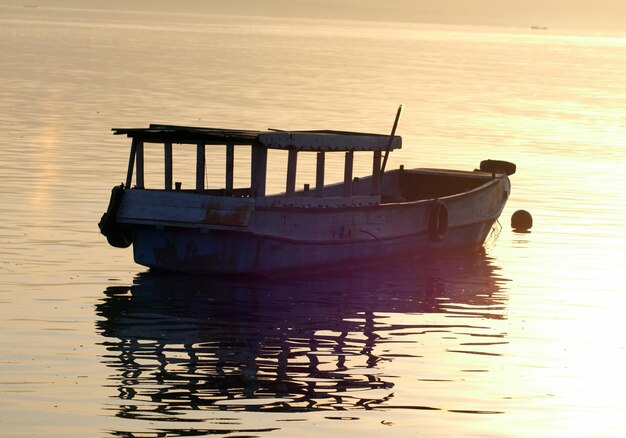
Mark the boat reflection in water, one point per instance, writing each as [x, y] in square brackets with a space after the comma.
[182, 343]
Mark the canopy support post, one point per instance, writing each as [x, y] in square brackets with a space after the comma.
[230, 166]
[168, 166]
[131, 162]
[376, 173]
[140, 167]
[347, 174]
[292, 164]
[200, 165]
[259, 170]
[319, 174]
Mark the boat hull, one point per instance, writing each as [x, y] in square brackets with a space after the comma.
[206, 234]
[228, 252]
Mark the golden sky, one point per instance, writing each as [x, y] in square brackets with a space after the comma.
[586, 14]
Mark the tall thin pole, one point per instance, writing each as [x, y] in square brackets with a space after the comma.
[390, 143]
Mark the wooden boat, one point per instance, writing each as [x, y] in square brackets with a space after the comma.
[231, 230]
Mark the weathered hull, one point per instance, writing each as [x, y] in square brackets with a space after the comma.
[207, 235]
[224, 252]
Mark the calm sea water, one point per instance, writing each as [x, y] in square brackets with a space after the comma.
[525, 339]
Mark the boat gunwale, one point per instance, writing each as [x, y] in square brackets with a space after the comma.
[204, 227]
[342, 208]
[404, 204]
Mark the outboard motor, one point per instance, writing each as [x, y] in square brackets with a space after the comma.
[498, 166]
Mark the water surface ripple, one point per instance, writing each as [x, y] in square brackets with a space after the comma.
[177, 344]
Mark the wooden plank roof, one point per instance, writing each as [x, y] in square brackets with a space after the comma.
[323, 140]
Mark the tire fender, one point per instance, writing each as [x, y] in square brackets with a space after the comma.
[117, 235]
[437, 220]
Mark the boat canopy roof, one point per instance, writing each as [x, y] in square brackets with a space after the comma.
[272, 139]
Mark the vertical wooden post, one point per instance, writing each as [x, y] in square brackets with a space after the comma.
[168, 165]
[230, 168]
[200, 165]
[131, 162]
[139, 156]
[258, 170]
[292, 165]
[376, 173]
[347, 174]
[319, 174]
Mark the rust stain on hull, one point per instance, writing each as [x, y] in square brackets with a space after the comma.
[235, 218]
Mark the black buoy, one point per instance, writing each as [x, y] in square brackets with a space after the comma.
[521, 221]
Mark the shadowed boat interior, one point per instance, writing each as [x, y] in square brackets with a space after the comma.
[398, 185]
